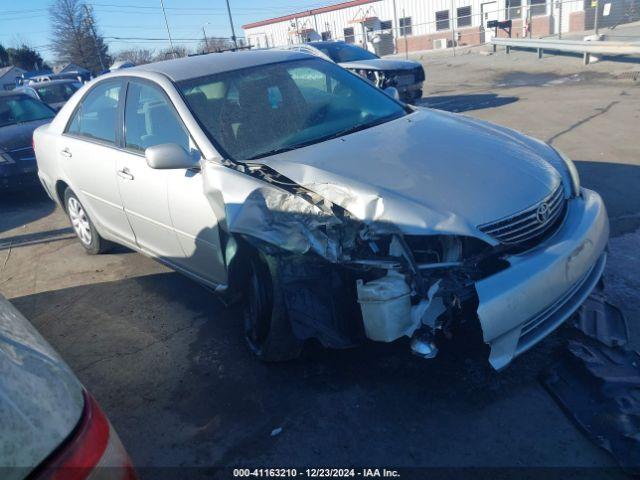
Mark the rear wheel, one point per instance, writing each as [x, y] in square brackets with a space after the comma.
[89, 237]
[266, 324]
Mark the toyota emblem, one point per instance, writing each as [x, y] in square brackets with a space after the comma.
[542, 214]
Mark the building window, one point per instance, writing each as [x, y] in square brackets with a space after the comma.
[464, 16]
[326, 36]
[538, 7]
[442, 20]
[514, 9]
[349, 37]
[386, 25]
[405, 26]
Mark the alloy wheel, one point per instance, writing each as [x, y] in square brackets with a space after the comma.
[79, 220]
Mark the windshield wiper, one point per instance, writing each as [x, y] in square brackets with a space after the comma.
[288, 148]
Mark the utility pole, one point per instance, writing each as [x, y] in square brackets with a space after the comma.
[560, 19]
[396, 30]
[233, 32]
[453, 28]
[206, 41]
[595, 25]
[166, 22]
[89, 20]
[404, 33]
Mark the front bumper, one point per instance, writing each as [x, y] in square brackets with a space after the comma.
[521, 305]
[15, 177]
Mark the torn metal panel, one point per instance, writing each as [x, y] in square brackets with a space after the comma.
[274, 215]
[602, 321]
[599, 388]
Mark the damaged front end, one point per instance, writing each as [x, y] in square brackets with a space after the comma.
[344, 278]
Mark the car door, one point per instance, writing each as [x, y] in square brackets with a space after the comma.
[167, 209]
[88, 154]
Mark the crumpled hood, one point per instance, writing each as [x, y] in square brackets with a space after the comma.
[381, 64]
[428, 171]
[19, 135]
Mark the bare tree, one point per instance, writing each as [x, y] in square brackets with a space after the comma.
[215, 44]
[175, 52]
[75, 37]
[137, 56]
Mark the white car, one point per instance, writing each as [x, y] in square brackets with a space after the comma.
[406, 76]
[52, 428]
[337, 212]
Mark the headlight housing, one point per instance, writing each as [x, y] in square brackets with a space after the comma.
[572, 173]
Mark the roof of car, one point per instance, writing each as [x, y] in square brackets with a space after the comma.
[328, 42]
[51, 82]
[202, 65]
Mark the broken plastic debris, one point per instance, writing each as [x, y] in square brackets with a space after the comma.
[601, 320]
[597, 386]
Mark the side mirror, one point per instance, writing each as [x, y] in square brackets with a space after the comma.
[392, 92]
[169, 156]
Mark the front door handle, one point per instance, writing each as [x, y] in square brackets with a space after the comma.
[65, 152]
[125, 174]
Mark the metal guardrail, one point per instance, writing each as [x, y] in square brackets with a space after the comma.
[587, 48]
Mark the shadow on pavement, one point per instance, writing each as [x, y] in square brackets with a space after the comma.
[618, 185]
[23, 207]
[465, 103]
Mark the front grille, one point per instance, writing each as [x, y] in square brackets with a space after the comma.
[25, 153]
[529, 224]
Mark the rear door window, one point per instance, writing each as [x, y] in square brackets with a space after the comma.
[96, 116]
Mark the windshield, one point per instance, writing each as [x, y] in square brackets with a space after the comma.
[260, 111]
[344, 52]
[57, 92]
[20, 108]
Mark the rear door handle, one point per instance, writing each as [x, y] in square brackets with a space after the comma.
[125, 174]
[66, 153]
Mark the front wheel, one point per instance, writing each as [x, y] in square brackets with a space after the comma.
[82, 225]
[266, 324]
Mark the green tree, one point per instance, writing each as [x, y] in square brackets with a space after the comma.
[25, 57]
[4, 57]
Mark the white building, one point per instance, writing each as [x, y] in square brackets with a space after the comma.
[424, 24]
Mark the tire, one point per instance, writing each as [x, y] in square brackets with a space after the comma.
[267, 327]
[83, 227]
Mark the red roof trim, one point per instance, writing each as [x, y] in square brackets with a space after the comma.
[308, 13]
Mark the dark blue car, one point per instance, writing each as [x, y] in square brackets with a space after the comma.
[20, 115]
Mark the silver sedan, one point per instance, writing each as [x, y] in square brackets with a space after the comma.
[334, 211]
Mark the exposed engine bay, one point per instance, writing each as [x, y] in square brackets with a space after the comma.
[345, 280]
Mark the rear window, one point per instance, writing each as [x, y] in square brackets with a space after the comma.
[58, 92]
[20, 109]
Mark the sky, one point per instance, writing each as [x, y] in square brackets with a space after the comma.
[140, 23]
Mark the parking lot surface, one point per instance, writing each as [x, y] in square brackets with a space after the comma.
[167, 361]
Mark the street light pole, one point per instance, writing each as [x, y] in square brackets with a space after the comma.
[233, 32]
